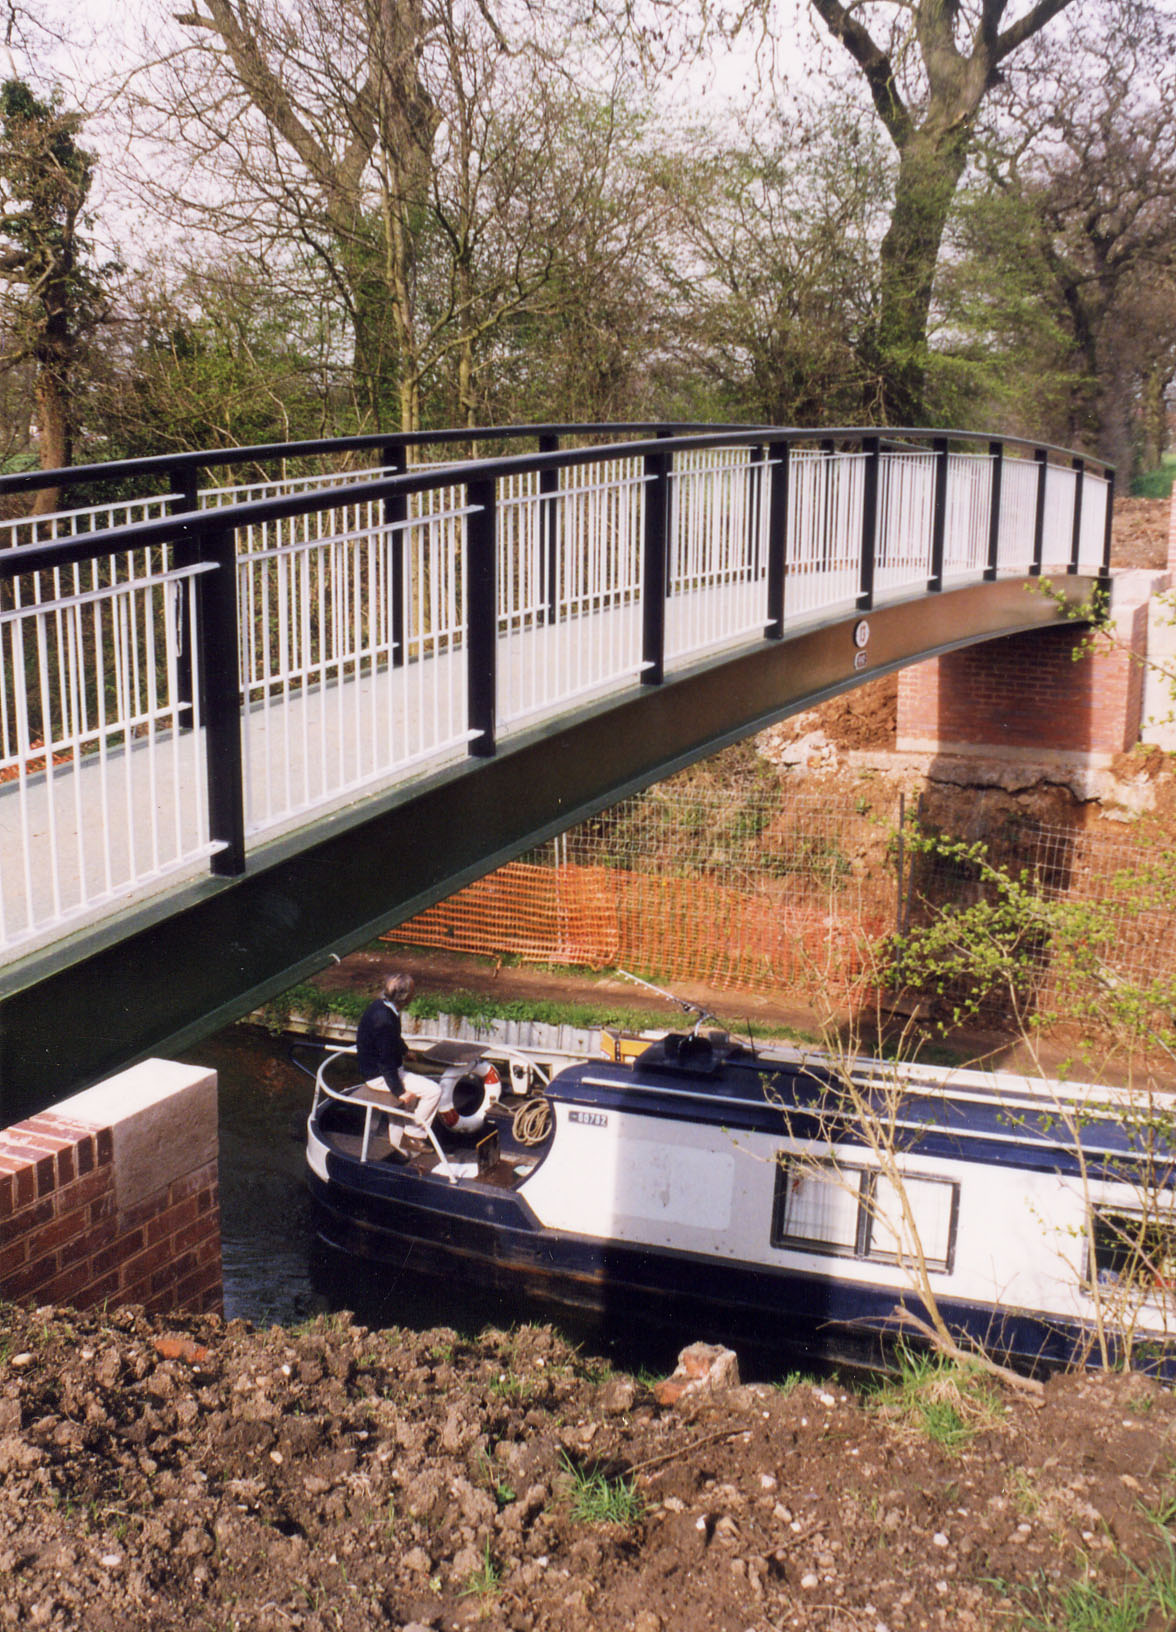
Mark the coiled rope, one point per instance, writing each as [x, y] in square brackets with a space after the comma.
[532, 1121]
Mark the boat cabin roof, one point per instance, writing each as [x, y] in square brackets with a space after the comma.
[966, 1114]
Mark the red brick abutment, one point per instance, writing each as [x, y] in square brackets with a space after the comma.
[111, 1196]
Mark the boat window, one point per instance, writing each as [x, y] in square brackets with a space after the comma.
[857, 1211]
[817, 1205]
[932, 1204]
[1134, 1250]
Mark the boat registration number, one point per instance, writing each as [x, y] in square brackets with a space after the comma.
[590, 1119]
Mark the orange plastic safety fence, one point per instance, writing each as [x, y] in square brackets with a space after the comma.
[679, 928]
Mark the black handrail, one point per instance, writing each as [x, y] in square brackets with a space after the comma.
[27, 481]
[189, 525]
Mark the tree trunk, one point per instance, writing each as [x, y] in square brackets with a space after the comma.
[930, 166]
[1153, 413]
[52, 355]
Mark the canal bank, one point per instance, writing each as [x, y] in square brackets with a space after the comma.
[335, 1478]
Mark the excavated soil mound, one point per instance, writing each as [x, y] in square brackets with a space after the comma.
[1139, 533]
[210, 1476]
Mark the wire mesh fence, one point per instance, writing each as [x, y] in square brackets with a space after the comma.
[752, 891]
[776, 890]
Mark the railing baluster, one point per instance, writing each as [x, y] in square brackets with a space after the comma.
[996, 451]
[1076, 535]
[185, 553]
[394, 458]
[872, 448]
[939, 514]
[1042, 457]
[778, 500]
[549, 528]
[756, 469]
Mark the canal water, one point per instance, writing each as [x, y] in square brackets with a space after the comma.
[275, 1273]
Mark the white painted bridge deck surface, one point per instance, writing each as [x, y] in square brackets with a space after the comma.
[99, 827]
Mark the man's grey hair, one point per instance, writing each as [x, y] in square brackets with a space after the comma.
[399, 988]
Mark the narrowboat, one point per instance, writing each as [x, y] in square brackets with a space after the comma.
[775, 1196]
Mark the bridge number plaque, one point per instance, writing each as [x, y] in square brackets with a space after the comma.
[861, 639]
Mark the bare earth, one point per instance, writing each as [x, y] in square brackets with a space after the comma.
[335, 1477]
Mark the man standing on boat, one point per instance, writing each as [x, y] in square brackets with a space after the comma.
[380, 1053]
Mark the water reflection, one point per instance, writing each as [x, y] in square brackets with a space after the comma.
[266, 1220]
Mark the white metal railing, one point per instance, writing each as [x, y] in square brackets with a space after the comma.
[718, 551]
[968, 509]
[75, 523]
[823, 550]
[1018, 512]
[90, 681]
[378, 1108]
[1096, 495]
[1057, 539]
[336, 697]
[569, 582]
[353, 630]
[906, 508]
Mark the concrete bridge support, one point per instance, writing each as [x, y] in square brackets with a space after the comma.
[1159, 694]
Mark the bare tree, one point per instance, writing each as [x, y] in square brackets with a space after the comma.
[774, 265]
[1087, 149]
[411, 157]
[928, 66]
[321, 111]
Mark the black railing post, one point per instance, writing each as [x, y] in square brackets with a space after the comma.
[938, 514]
[996, 453]
[1076, 535]
[481, 562]
[780, 472]
[872, 448]
[394, 458]
[220, 684]
[182, 479]
[654, 574]
[548, 525]
[1042, 457]
[1105, 573]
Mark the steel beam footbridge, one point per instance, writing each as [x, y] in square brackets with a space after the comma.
[249, 723]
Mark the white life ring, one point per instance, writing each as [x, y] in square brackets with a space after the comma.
[467, 1093]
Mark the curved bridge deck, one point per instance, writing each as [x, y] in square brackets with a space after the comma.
[243, 727]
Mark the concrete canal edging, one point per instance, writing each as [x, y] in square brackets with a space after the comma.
[111, 1196]
[560, 1044]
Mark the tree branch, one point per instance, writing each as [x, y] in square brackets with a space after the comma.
[1031, 23]
[875, 65]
